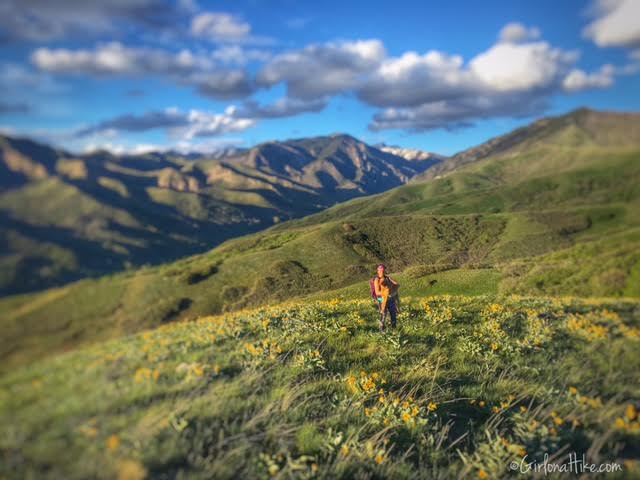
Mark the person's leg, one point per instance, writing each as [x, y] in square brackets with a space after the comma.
[393, 312]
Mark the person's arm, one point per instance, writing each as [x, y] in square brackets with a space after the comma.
[376, 286]
[396, 286]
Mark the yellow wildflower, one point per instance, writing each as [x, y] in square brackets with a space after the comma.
[631, 412]
[113, 442]
[131, 470]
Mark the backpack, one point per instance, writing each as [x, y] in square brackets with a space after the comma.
[373, 287]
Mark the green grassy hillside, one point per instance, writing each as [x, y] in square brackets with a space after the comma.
[556, 218]
[519, 334]
[68, 216]
[582, 128]
[464, 387]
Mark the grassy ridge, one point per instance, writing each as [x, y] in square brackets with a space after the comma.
[68, 217]
[274, 266]
[495, 358]
[557, 252]
[310, 389]
[556, 213]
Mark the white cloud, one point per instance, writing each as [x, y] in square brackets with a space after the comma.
[578, 79]
[205, 124]
[178, 124]
[323, 69]
[114, 59]
[207, 147]
[514, 77]
[516, 32]
[458, 112]
[414, 79]
[219, 26]
[516, 67]
[235, 54]
[617, 24]
[283, 107]
[43, 20]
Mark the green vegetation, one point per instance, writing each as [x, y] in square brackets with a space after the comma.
[110, 212]
[503, 224]
[520, 274]
[309, 389]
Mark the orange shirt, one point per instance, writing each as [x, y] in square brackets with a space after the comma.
[385, 287]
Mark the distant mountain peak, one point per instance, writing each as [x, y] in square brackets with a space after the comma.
[408, 153]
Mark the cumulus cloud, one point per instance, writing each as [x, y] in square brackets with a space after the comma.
[205, 124]
[206, 147]
[412, 79]
[578, 79]
[116, 59]
[223, 84]
[616, 24]
[437, 90]
[196, 123]
[284, 107]
[516, 67]
[515, 77]
[219, 26]
[323, 69]
[169, 118]
[43, 20]
[183, 67]
[222, 27]
[235, 54]
[458, 112]
[516, 32]
[179, 124]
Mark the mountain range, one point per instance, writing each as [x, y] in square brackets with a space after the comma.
[551, 209]
[66, 216]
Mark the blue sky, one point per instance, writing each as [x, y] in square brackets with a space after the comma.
[132, 75]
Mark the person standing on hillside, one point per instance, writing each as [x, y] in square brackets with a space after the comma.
[386, 290]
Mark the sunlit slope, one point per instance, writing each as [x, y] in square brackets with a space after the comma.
[465, 386]
[66, 217]
[562, 219]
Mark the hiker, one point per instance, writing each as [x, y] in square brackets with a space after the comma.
[386, 292]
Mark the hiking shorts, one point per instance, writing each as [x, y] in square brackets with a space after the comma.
[391, 309]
